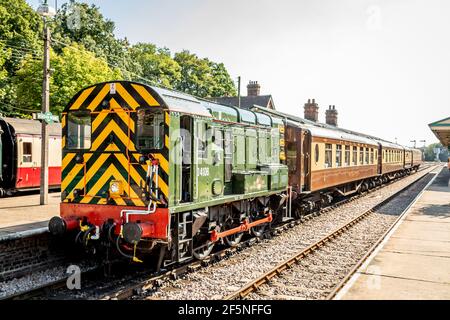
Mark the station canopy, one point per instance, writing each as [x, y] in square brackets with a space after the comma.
[441, 129]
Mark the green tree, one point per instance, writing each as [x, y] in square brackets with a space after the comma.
[223, 85]
[85, 25]
[3, 72]
[74, 69]
[82, 35]
[156, 64]
[431, 156]
[20, 34]
[202, 77]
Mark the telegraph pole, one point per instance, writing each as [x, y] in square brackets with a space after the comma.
[46, 12]
[45, 109]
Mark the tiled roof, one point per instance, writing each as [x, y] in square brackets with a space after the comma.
[247, 102]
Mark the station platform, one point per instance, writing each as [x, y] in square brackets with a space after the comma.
[414, 261]
[22, 216]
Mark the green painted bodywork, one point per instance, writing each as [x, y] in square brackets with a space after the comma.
[240, 159]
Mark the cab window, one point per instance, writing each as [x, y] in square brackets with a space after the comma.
[150, 129]
[79, 130]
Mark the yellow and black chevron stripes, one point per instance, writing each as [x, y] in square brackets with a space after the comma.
[63, 128]
[94, 176]
[113, 129]
[128, 95]
[113, 154]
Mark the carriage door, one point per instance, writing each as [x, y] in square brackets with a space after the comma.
[305, 160]
[293, 158]
[27, 175]
[186, 155]
[380, 159]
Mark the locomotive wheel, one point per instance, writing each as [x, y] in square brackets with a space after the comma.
[258, 231]
[203, 251]
[234, 239]
[297, 212]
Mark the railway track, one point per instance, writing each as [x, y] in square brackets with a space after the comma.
[281, 282]
[134, 286]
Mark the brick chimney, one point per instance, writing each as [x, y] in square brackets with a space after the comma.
[312, 110]
[331, 116]
[253, 88]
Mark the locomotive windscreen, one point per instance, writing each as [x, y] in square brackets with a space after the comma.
[150, 130]
[79, 130]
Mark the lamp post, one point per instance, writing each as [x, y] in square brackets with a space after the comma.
[46, 12]
[424, 143]
[424, 147]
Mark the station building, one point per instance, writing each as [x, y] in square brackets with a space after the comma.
[441, 129]
[252, 98]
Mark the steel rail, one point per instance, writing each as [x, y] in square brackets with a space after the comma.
[377, 244]
[156, 281]
[254, 285]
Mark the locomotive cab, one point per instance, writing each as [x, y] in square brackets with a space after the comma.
[115, 165]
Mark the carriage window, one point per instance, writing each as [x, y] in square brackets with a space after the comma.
[27, 152]
[338, 155]
[361, 155]
[347, 155]
[328, 155]
[317, 153]
[79, 130]
[150, 129]
[355, 156]
[371, 156]
[367, 156]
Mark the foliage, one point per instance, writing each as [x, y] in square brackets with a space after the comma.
[202, 77]
[85, 25]
[19, 38]
[3, 72]
[223, 85]
[431, 156]
[73, 70]
[86, 51]
[156, 64]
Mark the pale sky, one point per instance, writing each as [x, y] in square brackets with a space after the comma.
[384, 64]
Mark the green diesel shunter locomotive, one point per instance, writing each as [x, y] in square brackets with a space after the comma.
[148, 170]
